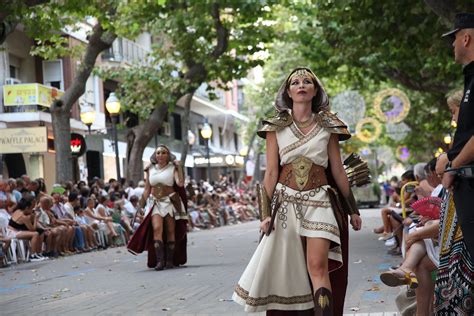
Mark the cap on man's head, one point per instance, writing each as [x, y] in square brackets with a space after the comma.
[461, 21]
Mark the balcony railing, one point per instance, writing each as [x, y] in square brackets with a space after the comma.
[124, 50]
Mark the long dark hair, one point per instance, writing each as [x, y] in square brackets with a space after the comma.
[25, 202]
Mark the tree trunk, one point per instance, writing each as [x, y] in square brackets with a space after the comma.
[244, 167]
[185, 124]
[99, 41]
[137, 140]
[62, 145]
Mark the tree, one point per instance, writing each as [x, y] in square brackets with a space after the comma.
[12, 14]
[368, 46]
[207, 42]
[44, 23]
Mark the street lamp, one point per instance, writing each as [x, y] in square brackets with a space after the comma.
[191, 138]
[88, 117]
[206, 133]
[113, 107]
[244, 151]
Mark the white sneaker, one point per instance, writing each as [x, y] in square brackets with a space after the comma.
[391, 242]
[36, 258]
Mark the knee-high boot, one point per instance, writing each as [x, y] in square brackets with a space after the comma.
[159, 250]
[170, 245]
[323, 302]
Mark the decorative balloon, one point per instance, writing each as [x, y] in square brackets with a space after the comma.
[403, 153]
[400, 105]
[366, 135]
[397, 131]
[349, 106]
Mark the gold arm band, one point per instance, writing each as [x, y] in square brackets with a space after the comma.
[263, 202]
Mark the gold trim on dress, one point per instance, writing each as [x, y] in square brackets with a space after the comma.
[260, 301]
[320, 226]
[296, 132]
[302, 141]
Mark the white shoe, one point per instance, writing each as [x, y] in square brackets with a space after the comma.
[36, 258]
[391, 242]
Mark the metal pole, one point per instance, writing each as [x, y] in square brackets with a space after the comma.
[117, 162]
[208, 162]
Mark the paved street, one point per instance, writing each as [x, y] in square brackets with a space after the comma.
[113, 282]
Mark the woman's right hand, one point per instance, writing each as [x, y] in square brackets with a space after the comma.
[265, 224]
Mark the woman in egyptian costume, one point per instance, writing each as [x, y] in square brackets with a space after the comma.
[163, 230]
[297, 269]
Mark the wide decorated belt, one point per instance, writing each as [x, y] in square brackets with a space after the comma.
[160, 190]
[302, 175]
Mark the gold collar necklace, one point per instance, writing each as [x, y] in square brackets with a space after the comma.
[306, 123]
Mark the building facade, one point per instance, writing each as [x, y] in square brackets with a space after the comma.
[30, 83]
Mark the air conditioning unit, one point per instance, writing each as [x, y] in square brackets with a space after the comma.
[166, 128]
[10, 81]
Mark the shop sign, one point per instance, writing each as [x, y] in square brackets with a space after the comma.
[78, 145]
[30, 94]
[23, 140]
[220, 161]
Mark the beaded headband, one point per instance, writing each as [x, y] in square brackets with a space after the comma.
[162, 147]
[301, 73]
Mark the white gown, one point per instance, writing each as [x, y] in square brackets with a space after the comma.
[277, 277]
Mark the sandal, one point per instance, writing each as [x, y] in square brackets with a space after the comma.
[392, 278]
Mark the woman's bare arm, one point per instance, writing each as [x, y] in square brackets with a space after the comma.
[337, 169]
[271, 174]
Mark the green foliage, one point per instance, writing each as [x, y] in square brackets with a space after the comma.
[197, 42]
[369, 45]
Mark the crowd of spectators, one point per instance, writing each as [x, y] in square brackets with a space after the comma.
[412, 236]
[82, 217]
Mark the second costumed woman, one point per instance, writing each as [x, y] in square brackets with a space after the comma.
[163, 230]
[290, 269]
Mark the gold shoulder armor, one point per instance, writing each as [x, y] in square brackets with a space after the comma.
[275, 123]
[330, 121]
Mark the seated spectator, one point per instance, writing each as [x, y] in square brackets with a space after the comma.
[65, 232]
[421, 259]
[392, 218]
[103, 211]
[63, 212]
[24, 224]
[196, 220]
[52, 234]
[7, 199]
[90, 242]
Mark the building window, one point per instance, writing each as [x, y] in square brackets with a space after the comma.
[178, 133]
[221, 138]
[236, 141]
[53, 73]
[13, 72]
